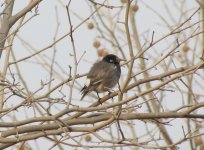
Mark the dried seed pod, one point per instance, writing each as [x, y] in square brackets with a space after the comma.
[87, 138]
[198, 140]
[134, 8]
[180, 58]
[90, 25]
[185, 48]
[102, 52]
[96, 44]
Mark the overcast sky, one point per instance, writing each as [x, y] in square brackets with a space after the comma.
[40, 31]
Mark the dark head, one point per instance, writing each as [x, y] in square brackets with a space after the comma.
[110, 58]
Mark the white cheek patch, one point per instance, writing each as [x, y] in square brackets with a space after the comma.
[88, 81]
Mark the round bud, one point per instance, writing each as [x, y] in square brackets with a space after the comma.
[134, 8]
[88, 138]
[90, 25]
[102, 52]
[180, 58]
[198, 140]
[185, 48]
[96, 44]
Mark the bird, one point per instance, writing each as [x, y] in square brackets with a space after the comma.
[103, 75]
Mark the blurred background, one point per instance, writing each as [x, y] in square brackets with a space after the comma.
[39, 58]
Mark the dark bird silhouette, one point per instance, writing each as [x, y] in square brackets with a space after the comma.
[103, 75]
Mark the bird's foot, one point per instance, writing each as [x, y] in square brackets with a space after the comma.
[99, 101]
[110, 91]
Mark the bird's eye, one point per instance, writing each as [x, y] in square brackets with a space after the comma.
[111, 60]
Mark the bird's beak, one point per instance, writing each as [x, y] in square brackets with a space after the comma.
[119, 59]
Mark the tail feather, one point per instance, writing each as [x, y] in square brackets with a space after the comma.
[84, 91]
